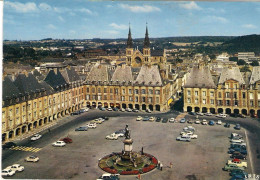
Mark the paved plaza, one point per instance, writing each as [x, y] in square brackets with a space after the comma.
[202, 158]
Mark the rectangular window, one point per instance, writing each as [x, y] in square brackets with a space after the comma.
[87, 97]
[219, 95]
[23, 108]
[227, 95]
[235, 95]
[136, 91]
[258, 103]
[123, 91]
[99, 90]
[17, 111]
[227, 102]
[251, 103]
[143, 99]
[212, 101]
[227, 86]
[11, 113]
[188, 100]
[204, 101]
[244, 95]
[157, 100]
[196, 93]
[188, 92]
[130, 91]
[111, 90]
[105, 97]
[258, 95]
[236, 102]
[143, 91]
[203, 93]
[116, 91]
[93, 90]
[105, 90]
[150, 91]
[220, 103]
[99, 97]
[93, 97]
[150, 99]
[196, 101]
[122, 98]
[34, 104]
[235, 86]
[111, 97]
[130, 98]
[211, 94]
[136, 98]
[250, 95]
[157, 92]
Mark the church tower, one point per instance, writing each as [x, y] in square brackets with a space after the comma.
[146, 48]
[129, 48]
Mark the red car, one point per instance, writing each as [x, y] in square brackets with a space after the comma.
[66, 140]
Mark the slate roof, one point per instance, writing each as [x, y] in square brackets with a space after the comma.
[122, 73]
[55, 79]
[255, 75]
[98, 73]
[157, 52]
[231, 73]
[27, 84]
[38, 75]
[9, 89]
[149, 75]
[70, 75]
[200, 78]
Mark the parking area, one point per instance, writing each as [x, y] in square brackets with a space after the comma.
[202, 158]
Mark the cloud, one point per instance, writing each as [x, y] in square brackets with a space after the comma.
[249, 26]
[61, 19]
[140, 9]
[45, 7]
[190, 6]
[113, 32]
[72, 32]
[20, 7]
[118, 26]
[213, 19]
[51, 26]
[85, 10]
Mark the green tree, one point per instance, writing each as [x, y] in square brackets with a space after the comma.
[245, 69]
[254, 63]
[241, 62]
[235, 59]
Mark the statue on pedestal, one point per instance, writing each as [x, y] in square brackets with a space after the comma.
[127, 132]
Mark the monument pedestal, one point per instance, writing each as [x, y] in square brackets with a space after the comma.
[128, 147]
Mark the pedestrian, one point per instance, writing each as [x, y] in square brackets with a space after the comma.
[139, 176]
[49, 130]
[158, 165]
[170, 164]
[161, 165]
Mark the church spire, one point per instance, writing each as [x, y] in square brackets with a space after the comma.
[146, 39]
[129, 40]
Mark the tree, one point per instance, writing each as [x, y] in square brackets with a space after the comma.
[254, 63]
[212, 56]
[235, 59]
[241, 62]
[245, 69]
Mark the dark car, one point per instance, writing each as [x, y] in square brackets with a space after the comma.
[158, 119]
[75, 113]
[145, 118]
[190, 121]
[211, 123]
[241, 116]
[238, 155]
[104, 117]
[81, 128]
[234, 115]
[165, 120]
[241, 146]
[115, 109]
[227, 125]
[241, 150]
[237, 127]
[120, 131]
[66, 140]
[238, 172]
[192, 113]
[135, 110]
[8, 145]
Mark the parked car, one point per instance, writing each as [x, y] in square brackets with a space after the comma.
[92, 125]
[238, 162]
[32, 159]
[199, 113]
[36, 137]
[236, 140]
[135, 110]
[237, 149]
[158, 119]
[105, 118]
[227, 125]
[238, 155]
[235, 145]
[115, 109]
[120, 131]
[219, 122]
[8, 172]
[183, 120]
[192, 113]
[123, 110]
[165, 120]
[230, 167]
[197, 121]
[8, 145]
[16, 167]
[109, 109]
[145, 118]
[108, 176]
[189, 121]
[211, 123]
[139, 118]
[235, 135]
[192, 136]
[208, 114]
[66, 140]
[119, 134]
[59, 144]
[186, 132]
[98, 121]
[241, 116]
[103, 109]
[112, 136]
[75, 113]
[186, 139]
[152, 119]
[238, 172]
[221, 115]
[204, 122]
[171, 120]
[128, 109]
[82, 128]
[233, 115]
[148, 110]
[237, 127]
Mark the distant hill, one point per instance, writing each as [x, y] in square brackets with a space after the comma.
[243, 43]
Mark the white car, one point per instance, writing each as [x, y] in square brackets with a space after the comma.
[204, 122]
[84, 110]
[36, 137]
[186, 133]
[197, 121]
[8, 172]
[152, 119]
[128, 109]
[32, 159]
[221, 115]
[199, 113]
[123, 110]
[192, 136]
[108, 176]
[112, 136]
[219, 122]
[208, 114]
[139, 118]
[59, 144]
[171, 120]
[109, 109]
[189, 128]
[91, 125]
[148, 110]
[16, 167]
[236, 140]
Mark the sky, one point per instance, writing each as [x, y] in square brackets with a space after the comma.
[84, 19]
